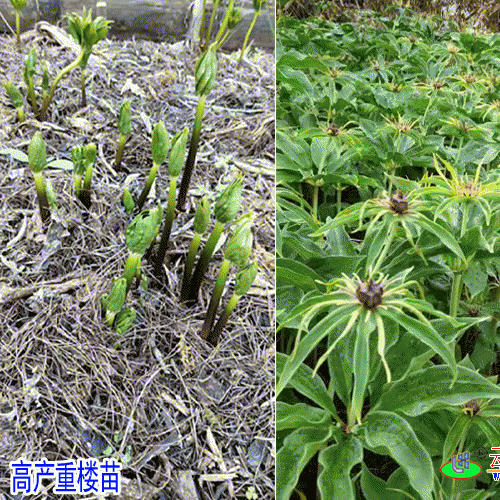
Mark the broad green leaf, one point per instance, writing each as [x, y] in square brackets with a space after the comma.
[292, 272]
[425, 333]
[300, 415]
[311, 340]
[391, 434]
[334, 482]
[489, 426]
[15, 154]
[298, 448]
[61, 165]
[442, 234]
[425, 389]
[309, 386]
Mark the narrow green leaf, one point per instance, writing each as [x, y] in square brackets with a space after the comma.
[360, 367]
[455, 435]
[309, 386]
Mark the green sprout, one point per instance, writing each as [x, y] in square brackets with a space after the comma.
[200, 224]
[87, 33]
[128, 201]
[16, 99]
[244, 280]
[238, 250]
[226, 208]
[37, 159]
[124, 127]
[160, 144]
[124, 320]
[45, 84]
[51, 195]
[258, 5]
[18, 7]
[141, 232]
[83, 158]
[205, 73]
[175, 162]
[29, 71]
[114, 301]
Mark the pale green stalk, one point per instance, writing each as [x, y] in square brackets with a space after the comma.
[456, 291]
[203, 262]
[41, 194]
[147, 187]
[84, 93]
[85, 192]
[122, 139]
[18, 29]
[211, 24]
[216, 295]
[169, 218]
[247, 36]
[132, 265]
[191, 256]
[213, 336]
[52, 89]
[191, 158]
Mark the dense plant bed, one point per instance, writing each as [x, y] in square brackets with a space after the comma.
[184, 417]
[388, 268]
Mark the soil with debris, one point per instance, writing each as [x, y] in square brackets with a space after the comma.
[188, 421]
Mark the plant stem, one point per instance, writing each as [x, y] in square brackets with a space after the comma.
[225, 20]
[85, 191]
[211, 24]
[191, 158]
[78, 185]
[84, 94]
[20, 114]
[202, 25]
[31, 95]
[169, 219]
[147, 186]
[52, 89]
[203, 262]
[456, 291]
[339, 199]
[119, 152]
[315, 202]
[213, 336]
[214, 301]
[18, 30]
[247, 36]
[133, 263]
[186, 279]
[385, 251]
[42, 197]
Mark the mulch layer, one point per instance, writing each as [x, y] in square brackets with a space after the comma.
[188, 421]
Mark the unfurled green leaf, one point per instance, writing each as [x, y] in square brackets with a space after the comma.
[429, 388]
[335, 481]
